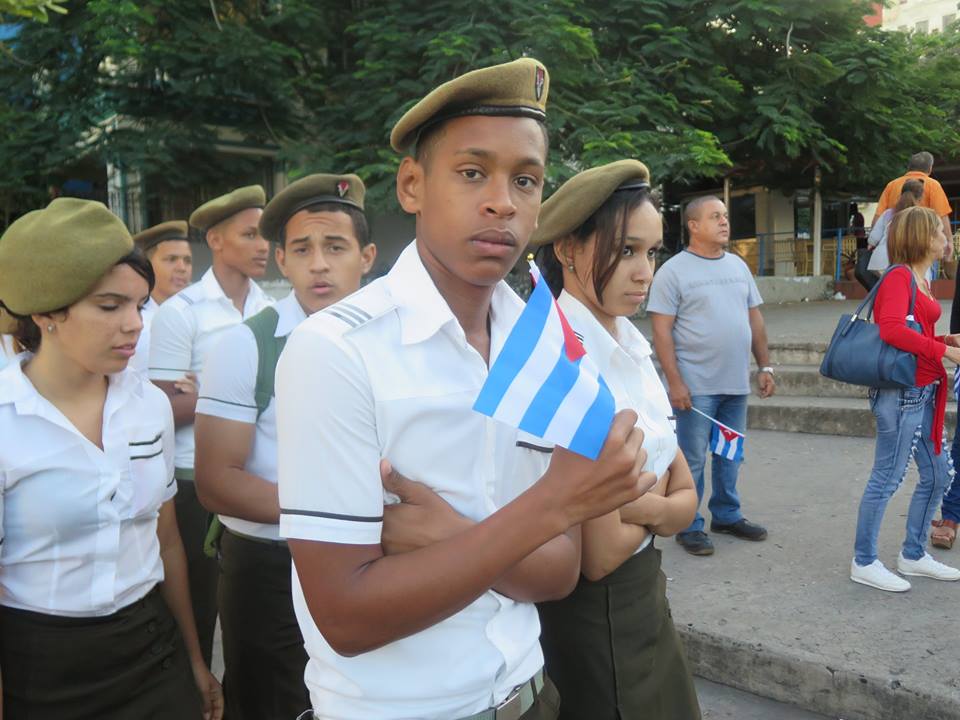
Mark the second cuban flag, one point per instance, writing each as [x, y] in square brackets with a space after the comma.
[543, 382]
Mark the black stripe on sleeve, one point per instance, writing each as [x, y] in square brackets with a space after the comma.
[226, 402]
[332, 516]
[531, 446]
[172, 481]
[348, 320]
[147, 457]
[147, 442]
[169, 370]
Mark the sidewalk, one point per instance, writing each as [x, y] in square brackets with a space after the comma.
[781, 618]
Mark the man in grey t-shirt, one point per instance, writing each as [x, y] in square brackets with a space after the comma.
[704, 306]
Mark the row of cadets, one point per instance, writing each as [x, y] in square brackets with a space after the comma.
[322, 246]
[425, 608]
[95, 612]
[598, 237]
[184, 330]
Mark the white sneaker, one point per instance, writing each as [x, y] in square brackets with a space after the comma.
[927, 567]
[877, 576]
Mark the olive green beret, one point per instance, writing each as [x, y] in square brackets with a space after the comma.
[583, 194]
[320, 188]
[219, 209]
[517, 89]
[52, 258]
[151, 237]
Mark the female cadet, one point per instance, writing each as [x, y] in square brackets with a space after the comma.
[95, 618]
[611, 647]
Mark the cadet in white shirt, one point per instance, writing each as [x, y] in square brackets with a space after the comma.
[598, 236]
[95, 614]
[323, 249]
[167, 247]
[390, 374]
[184, 329]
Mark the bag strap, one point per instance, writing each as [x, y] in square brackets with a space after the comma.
[264, 326]
[871, 296]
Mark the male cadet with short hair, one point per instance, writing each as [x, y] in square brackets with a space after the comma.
[167, 247]
[323, 249]
[184, 329]
[447, 630]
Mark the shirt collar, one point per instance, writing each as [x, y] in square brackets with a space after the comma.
[16, 388]
[212, 290]
[598, 342]
[423, 310]
[290, 314]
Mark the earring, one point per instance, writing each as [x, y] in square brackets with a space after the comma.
[50, 328]
[570, 268]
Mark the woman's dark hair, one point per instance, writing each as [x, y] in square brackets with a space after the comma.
[910, 194]
[609, 222]
[27, 335]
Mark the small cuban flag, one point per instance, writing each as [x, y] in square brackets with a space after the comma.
[724, 441]
[543, 383]
[956, 383]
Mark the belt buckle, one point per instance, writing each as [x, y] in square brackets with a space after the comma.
[512, 706]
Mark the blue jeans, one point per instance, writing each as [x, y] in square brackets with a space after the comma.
[693, 436]
[904, 424]
[950, 510]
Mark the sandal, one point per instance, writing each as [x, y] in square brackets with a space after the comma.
[944, 534]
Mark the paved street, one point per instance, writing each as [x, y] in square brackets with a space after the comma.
[719, 702]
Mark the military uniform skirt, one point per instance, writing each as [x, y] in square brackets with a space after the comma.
[131, 664]
[612, 650]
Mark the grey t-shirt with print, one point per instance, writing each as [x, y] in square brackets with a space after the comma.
[710, 298]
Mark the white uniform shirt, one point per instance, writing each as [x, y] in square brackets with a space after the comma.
[388, 373]
[79, 524]
[185, 328]
[6, 350]
[625, 362]
[229, 382]
[141, 356]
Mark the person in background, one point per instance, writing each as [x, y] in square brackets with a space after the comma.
[910, 195]
[167, 247]
[864, 277]
[598, 236]
[919, 167]
[909, 420]
[184, 329]
[705, 311]
[323, 248]
[95, 616]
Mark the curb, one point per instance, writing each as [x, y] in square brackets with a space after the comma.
[803, 680]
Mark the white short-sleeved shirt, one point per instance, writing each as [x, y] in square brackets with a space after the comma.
[141, 355]
[184, 329]
[229, 382]
[388, 373]
[79, 524]
[626, 364]
[6, 350]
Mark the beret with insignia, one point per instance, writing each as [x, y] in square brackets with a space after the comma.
[51, 258]
[151, 237]
[347, 190]
[514, 89]
[583, 194]
[225, 206]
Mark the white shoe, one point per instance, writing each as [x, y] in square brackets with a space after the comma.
[877, 576]
[927, 567]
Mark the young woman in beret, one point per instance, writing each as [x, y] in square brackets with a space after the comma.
[610, 646]
[95, 618]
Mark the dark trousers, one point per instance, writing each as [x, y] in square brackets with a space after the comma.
[263, 651]
[131, 664]
[865, 277]
[193, 519]
[950, 510]
[612, 649]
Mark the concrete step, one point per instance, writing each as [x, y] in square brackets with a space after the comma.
[806, 381]
[840, 416]
[797, 353]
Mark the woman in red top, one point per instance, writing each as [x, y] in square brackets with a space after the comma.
[909, 421]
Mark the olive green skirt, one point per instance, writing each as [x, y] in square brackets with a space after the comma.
[612, 650]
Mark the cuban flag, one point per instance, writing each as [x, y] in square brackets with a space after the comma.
[956, 383]
[724, 441]
[543, 383]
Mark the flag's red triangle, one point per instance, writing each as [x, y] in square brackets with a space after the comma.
[571, 343]
[728, 435]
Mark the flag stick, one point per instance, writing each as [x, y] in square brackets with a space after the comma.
[700, 412]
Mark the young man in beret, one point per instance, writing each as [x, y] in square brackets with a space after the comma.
[417, 619]
[323, 248]
[184, 329]
[167, 248]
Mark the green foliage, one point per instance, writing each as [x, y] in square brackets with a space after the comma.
[32, 9]
[761, 89]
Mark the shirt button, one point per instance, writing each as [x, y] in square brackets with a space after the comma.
[157, 648]
[167, 662]
[151, 627]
